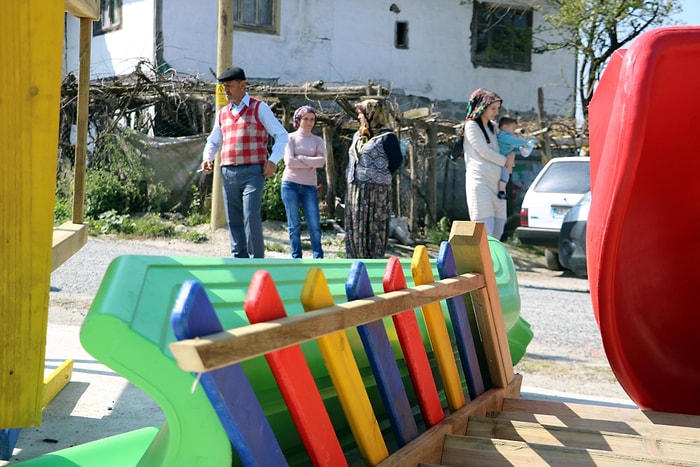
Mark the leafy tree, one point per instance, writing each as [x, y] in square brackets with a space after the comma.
[597, 28]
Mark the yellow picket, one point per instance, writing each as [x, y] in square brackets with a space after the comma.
[437, 330]
[342, 368]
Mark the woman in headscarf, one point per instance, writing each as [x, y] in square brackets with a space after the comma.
[374, 156]
[305, 152]
[484, 162]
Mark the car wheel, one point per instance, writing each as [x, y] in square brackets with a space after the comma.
[552, 260]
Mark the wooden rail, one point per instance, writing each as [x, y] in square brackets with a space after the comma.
[208, 353]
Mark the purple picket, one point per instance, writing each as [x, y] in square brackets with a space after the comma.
[460, 323]
[382, 360]
[227, 388]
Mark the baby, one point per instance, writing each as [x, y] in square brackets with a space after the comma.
[507, 143]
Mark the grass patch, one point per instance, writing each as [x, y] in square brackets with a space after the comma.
[277, 247]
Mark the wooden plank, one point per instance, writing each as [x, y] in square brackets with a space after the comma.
[82, 121]
[382, 360]
[56, 381]
[83, 8]
[420, 112]
[427, 448]
[68, 239]
[437, 330]
[664, 448]
[470, 451]
[342, 368]
[611, 426]
[414, 354]
[235, 345]
[294, 378]
[471, 251]
[599, 412]
[31, 37]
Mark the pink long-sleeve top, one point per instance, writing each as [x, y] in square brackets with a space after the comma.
[305, 152]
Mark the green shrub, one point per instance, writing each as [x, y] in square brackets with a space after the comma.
[272, 205]
[441, 233]
[195, 237]
[152, 226]
[63, 205]
[111, 222]
[196, 214]
[105, 193]
[118, 180]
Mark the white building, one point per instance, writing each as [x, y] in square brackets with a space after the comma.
[439, 50]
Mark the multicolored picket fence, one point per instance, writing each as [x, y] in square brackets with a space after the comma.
[301, 362]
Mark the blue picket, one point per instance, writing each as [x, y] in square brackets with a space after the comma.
[460, 322]
[227, 388]
[382, 360]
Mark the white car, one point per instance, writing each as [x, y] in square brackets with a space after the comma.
[561, 184]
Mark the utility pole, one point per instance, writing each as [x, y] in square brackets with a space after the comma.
[224, 60]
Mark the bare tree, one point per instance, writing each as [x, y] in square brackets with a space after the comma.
[596, 29]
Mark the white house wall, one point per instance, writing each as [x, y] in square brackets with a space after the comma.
[116, 52]
[340, 42]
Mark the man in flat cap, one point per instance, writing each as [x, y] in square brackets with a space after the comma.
[241, 131]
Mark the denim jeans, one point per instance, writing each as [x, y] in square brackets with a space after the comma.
[243, 193]
[295, 196]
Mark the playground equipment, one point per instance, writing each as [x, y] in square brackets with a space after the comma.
[642, 245]
[31, 34]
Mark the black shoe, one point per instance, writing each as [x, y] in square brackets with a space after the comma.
[502, 195]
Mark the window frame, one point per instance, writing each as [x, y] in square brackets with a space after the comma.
[108, 9]
[488, 33]
[239, 11]
[401, 35]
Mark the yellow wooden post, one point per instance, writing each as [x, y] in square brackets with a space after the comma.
[224, 60]
[31, 35]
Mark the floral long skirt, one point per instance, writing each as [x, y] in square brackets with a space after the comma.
[367, 220]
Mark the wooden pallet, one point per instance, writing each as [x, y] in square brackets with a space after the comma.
[531, 432]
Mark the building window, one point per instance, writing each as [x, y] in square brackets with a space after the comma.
[256, 15]
[401, 35]
[501, 36]
[110, 17]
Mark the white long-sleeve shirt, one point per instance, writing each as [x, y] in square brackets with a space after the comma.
[267, 118]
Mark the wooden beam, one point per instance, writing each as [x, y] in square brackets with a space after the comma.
[57, 380]
[236, 345]
[68, 239]
[89, 9]
[82, 121]
[330, 171]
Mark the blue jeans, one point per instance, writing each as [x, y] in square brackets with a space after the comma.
[295, 196]
[243, 193]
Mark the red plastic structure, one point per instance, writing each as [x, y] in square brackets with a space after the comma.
[643, 242]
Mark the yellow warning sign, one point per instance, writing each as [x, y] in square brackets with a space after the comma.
[220, 95]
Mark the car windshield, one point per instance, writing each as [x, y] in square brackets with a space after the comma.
[566, 177]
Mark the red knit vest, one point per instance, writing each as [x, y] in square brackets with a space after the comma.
[244, 136]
